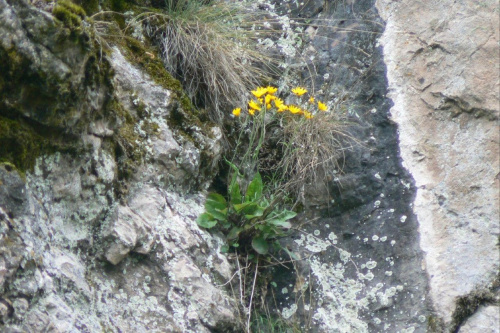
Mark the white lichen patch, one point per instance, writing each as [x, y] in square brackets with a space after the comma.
[371, 264]
[340, 309]
[312, 244]
[344, 256]
[403, 219]
[368, 276]
[286, 313]
[332, 237]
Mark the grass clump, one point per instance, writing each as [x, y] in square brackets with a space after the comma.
[210, 47]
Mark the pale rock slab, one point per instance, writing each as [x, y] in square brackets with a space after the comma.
[485, 320]
[442, 62]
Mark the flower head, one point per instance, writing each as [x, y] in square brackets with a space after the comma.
[311, 100]
[308, 115]
[295, 109]
[278, 102]
[236, 112]
[253, 105]
[271, 90]
[269, 98]
[259, 92]
[299, 91]
[322, 106]
[282, 108]
[251, 112]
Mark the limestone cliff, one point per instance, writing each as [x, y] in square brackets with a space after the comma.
[105, 163]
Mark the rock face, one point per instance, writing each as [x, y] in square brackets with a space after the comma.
[443, 78]
[104, 166]
[94, 233]
[364, 269]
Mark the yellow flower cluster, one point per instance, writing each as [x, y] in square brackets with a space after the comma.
[265, 99]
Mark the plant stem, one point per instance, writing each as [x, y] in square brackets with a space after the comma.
[251, 295]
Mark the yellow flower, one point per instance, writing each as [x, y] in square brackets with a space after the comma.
[308, 115]
[271, 90]
[259, 92]
[311, 100]
[282, 108]
[268, 106]
[299, 91]
[322, 106]
[278, 102]
[295, 109]
[236, 112]
[251, 112]
[253, 105]
[269, 98]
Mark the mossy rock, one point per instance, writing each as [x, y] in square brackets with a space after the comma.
[22, 142]
[90, 6]
[69, 13]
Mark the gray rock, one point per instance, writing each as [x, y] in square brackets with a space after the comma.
[486, 319]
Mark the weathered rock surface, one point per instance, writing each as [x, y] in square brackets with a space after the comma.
[85, 246]
[486, 320]
[442, 65]
[364, 268]
[102, 170]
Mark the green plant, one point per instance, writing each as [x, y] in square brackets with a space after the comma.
[255, 218]
[250, 218]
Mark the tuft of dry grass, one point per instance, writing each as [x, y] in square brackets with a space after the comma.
[312, 149]
[211, 47]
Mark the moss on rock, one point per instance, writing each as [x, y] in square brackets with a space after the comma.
[69, 13]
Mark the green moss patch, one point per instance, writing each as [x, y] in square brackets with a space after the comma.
[21, 143]
[69, 13]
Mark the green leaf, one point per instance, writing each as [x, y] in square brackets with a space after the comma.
[206, 220]
[254, 190]
[216, 199]
[234, 233]
[282, 224]
[225, 224]
[235, 168]
[260, 245]
[224, 249]
[279, 219]
[252, 210]
[216, 206]
[234, 191]
[248, 208]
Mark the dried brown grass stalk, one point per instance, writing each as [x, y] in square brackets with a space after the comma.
[312, 149]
